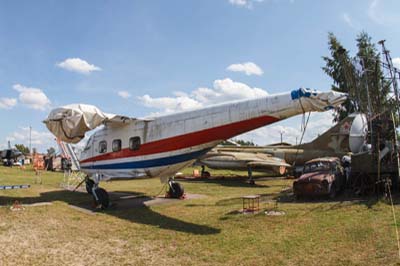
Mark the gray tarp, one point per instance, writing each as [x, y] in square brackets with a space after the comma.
[70, 123]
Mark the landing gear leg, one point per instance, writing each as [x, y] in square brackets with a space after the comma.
[100, 196]
[250, 173]
[204, 173]
[203, 169]
[89, 185]
[175, 189]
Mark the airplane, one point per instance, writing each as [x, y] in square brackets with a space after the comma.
[346, 136]
[10, 155]
[128, 148]
[218, 159]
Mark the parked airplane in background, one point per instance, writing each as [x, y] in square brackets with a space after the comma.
[346, 136]
[159, 147]
[262, 162]
[10, 155]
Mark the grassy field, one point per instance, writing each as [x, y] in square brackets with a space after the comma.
[204, 231]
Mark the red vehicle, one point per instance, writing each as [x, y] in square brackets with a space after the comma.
[321, 176]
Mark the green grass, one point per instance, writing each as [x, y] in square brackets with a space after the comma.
[206, 231]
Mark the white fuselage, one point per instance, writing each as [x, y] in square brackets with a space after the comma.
[169, 143]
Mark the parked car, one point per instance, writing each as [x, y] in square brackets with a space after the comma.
[321, 176]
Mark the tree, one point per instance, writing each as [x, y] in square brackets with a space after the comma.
[238, 141]
[360, 76]
[22, 148]
[245, 142]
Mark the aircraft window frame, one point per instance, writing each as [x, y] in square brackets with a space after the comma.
[103, 149]
[116, 147]
[134, 143]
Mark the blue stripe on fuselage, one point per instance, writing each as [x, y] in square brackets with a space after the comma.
[152, 162]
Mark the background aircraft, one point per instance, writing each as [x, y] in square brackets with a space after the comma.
[159, 147]
[10, 155]
[249, 161]
[346, 136]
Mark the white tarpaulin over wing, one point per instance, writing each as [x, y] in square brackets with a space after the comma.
[70, 123]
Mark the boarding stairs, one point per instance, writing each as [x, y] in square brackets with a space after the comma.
[72, 176]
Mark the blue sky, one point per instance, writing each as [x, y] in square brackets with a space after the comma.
[157, 54]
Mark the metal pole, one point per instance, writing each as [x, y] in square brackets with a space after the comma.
[392, 73]
[30, 140]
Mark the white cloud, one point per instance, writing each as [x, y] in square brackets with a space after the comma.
[40, 139]
[124, 94]
[171, 104]
[239, 2]
[244, 3]
[32, 97]
[222, 91]
[249, 68]
[227, 90]
[350, 22]
[78, 65]
[396, 62]
[7, 103]
[373, 12]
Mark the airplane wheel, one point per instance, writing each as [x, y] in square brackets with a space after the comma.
[103, 199]
[89, 185]
[176, 190]
[206, 174]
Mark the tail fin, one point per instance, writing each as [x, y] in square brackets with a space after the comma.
[335, 139]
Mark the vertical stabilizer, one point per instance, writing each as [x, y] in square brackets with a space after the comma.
[335, 139]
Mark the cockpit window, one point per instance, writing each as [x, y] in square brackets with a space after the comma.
[134, 143]
[103, 146]
[116, 145]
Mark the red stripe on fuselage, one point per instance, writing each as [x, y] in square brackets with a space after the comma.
[189, 139]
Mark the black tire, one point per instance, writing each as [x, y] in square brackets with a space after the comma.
[89, 185]
[176, 190]
[103, 199]
[206, 174]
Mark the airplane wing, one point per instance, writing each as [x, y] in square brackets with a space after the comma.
[70, 123]
[271, 163]
[213, 153]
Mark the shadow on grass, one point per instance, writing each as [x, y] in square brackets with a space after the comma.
[239, 200]
[228, 182]
[286, 196]
[344, 197]
[132, 209]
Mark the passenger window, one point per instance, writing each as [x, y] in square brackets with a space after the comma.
[103, 146]
[116, 145]
[134, 143]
